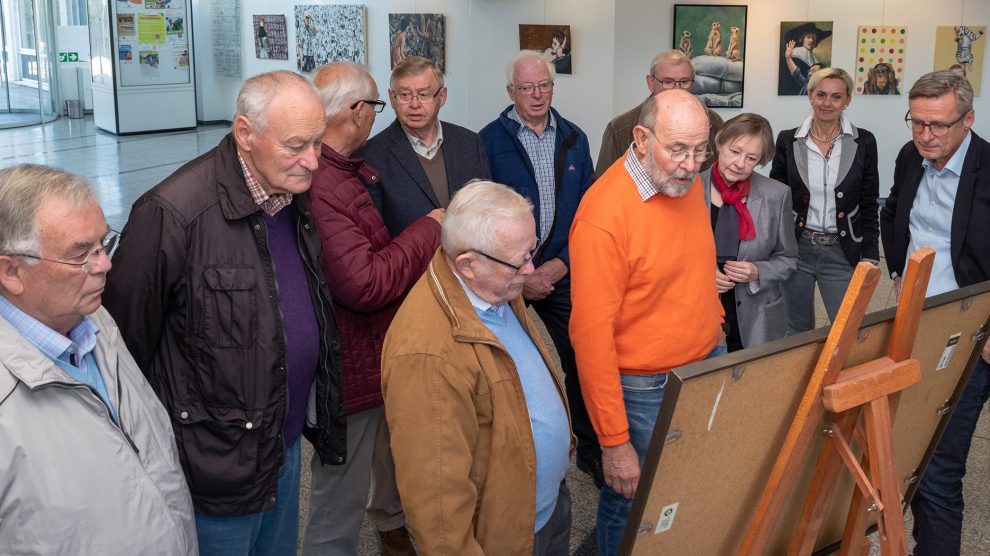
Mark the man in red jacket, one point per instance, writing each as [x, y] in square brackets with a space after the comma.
[369, 274]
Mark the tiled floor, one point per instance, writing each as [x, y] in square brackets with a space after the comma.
[122, 168]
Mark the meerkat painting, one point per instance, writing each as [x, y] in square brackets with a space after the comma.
[685, 45]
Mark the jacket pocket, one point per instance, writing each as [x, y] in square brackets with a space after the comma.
[231, 307]
[220, 446]
[852, 223]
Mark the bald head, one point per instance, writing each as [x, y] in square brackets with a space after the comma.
[671, 140]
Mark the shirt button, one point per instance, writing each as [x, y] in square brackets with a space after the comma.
[184, 415]
[249, 425]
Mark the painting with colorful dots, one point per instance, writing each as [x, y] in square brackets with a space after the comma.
[961, 48]
[880, 54]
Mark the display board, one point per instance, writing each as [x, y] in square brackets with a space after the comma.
[151, 42]
[722, 423]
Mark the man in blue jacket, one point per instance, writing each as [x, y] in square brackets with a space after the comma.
[546, 158]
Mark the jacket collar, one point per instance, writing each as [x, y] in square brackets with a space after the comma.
[464, 321]
[850, 143]
[353, 165]
[563, 126]
[235, 199]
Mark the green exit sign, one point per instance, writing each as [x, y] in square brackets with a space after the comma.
[68, 56]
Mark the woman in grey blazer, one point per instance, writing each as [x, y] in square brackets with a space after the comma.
[754, 233]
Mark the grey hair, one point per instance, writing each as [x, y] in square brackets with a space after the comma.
[346, 84]
[412, 66]
[670, 57]
[475, 215]
[258, 91]
[938, 83]
[526, 56]
[23, 189]
[830, 73]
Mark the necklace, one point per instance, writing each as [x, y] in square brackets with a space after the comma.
[821, 140]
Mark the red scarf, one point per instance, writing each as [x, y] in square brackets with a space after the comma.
[734, 195]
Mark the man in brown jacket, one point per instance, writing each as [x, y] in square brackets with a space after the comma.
[476, 411]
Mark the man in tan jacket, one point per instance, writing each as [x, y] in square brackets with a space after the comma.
[476, 410]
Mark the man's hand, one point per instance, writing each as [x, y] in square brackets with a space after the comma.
[620, 465]
[741, 272]
[722, 282]
[540, 283]
[437, 214]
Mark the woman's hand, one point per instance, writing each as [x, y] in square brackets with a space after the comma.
[722, 282]
[741, 272]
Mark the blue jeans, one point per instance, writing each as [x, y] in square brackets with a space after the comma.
[938, 504]
[273, 531]
[642, 395]
[825, 264]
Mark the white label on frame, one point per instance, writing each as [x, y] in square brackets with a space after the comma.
[950, 348]
[666, 520]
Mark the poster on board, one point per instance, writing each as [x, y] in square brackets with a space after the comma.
[880, 54]
[149, 39]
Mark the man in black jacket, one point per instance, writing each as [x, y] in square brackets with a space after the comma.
[218, 291]
[941, 199]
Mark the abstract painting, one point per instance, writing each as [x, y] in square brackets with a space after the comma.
[880, 54]
[330, 33]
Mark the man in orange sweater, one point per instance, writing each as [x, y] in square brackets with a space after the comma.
[643, 288]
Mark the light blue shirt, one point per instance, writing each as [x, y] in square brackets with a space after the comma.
[547, 417]
[540, 149]
[74, 354]
[930, 222]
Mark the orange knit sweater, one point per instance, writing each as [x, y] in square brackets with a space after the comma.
[642, 288]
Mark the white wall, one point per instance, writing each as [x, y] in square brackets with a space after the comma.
[644, 27]
[614, 41]
[481, 35]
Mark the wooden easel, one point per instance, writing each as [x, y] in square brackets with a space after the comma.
[832, 404]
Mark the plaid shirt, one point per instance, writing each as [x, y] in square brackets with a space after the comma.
[74, 354]
[540, 149]
[271, 204]
[643, 182]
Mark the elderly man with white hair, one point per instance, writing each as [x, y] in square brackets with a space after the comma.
[546, 159]
[217, 289]
[477, 413]
[368, 272]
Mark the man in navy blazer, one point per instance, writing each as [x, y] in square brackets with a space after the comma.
[546, 159]
[941, 199]
[421, 160]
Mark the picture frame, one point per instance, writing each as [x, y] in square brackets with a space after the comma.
[714, 37]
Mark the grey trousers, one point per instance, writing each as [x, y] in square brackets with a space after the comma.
[340, 493]
[825, 264]
[554, 538]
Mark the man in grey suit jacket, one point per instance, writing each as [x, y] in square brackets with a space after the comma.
[422, 161]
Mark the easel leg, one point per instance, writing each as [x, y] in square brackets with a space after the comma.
[879, 437]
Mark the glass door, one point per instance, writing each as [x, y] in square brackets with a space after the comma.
[29, 92]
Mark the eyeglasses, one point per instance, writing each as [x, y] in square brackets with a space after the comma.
[378, 105]
[682, 154]
[938, 129]
[108, 244]
[518, 268]
[528, 88]
[405, 97]
[673, 83]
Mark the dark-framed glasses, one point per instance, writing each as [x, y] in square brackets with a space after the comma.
[108, 244]
[516, 267]
[528, 88]
[377, 105]
[667, 83]
[937, 129]
[424, 97]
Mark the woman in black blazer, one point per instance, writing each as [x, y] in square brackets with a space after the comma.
[831, 168]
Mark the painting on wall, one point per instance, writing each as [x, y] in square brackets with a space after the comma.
[330, 33]
[554, 41]
[271, 39]
[416, 35]
[714, 37]
[961, 48]
[805, 47]
[880, 54]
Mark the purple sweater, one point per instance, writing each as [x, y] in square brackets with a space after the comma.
[302, 332]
